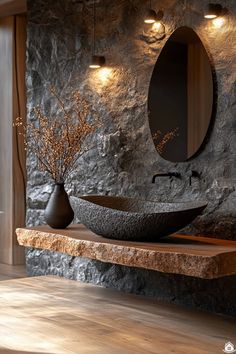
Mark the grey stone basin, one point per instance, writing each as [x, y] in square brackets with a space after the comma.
[133, 219]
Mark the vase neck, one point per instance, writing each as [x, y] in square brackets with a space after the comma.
[59, 186]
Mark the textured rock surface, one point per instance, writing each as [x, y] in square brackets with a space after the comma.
[211, 295]
[193, 256]
[124, 159]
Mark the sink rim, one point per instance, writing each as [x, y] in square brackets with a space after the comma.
[190, 205]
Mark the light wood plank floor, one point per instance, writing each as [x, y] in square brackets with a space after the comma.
[11, 272]
[58, 316]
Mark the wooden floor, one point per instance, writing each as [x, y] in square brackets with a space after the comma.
[58, 316]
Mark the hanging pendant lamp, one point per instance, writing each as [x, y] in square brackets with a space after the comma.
[97, 61]
[151, 15]
[213, 11]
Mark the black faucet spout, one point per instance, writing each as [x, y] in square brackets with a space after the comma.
[168, 174]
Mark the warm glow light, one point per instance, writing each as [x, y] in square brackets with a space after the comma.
[93, 66]
[149, 20]
[104, 74]
[157, 26]
[218, 22]
[210, 16]
[103, 78]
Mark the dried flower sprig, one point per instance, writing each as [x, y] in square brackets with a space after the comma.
[57, 141]
[161, 140]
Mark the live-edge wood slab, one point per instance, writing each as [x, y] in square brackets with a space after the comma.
[188, 255]
[59, 316]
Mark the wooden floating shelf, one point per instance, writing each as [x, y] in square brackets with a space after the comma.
[194, 256]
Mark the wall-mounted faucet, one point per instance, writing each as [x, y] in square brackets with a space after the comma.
[168, 174]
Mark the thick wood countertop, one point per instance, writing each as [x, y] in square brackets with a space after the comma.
[200, 257]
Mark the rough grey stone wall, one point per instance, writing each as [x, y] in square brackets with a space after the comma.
[211, 295]
[124, 159]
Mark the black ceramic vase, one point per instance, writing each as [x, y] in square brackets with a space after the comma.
[58, 213]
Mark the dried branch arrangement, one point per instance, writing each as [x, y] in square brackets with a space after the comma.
[161, 140]
[58, 141]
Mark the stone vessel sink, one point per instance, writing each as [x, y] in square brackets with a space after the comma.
[134, 219]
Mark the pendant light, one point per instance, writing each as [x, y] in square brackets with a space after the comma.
[151, 15]
[97, 61]
[213, 11]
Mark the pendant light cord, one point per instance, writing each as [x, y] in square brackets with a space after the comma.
[150, 4]
[94, 24]
[185, 5]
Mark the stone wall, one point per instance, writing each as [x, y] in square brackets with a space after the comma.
[123, 158]
[215, 295]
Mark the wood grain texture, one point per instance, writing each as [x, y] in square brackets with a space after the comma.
[188, 255]
[200, 96]
[12, 154]
[6, 146]
[59, 316]
[19, 155]
[12, 7]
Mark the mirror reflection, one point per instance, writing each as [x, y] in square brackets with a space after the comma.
[180, 96]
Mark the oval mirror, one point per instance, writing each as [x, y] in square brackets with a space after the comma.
[180, 96]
